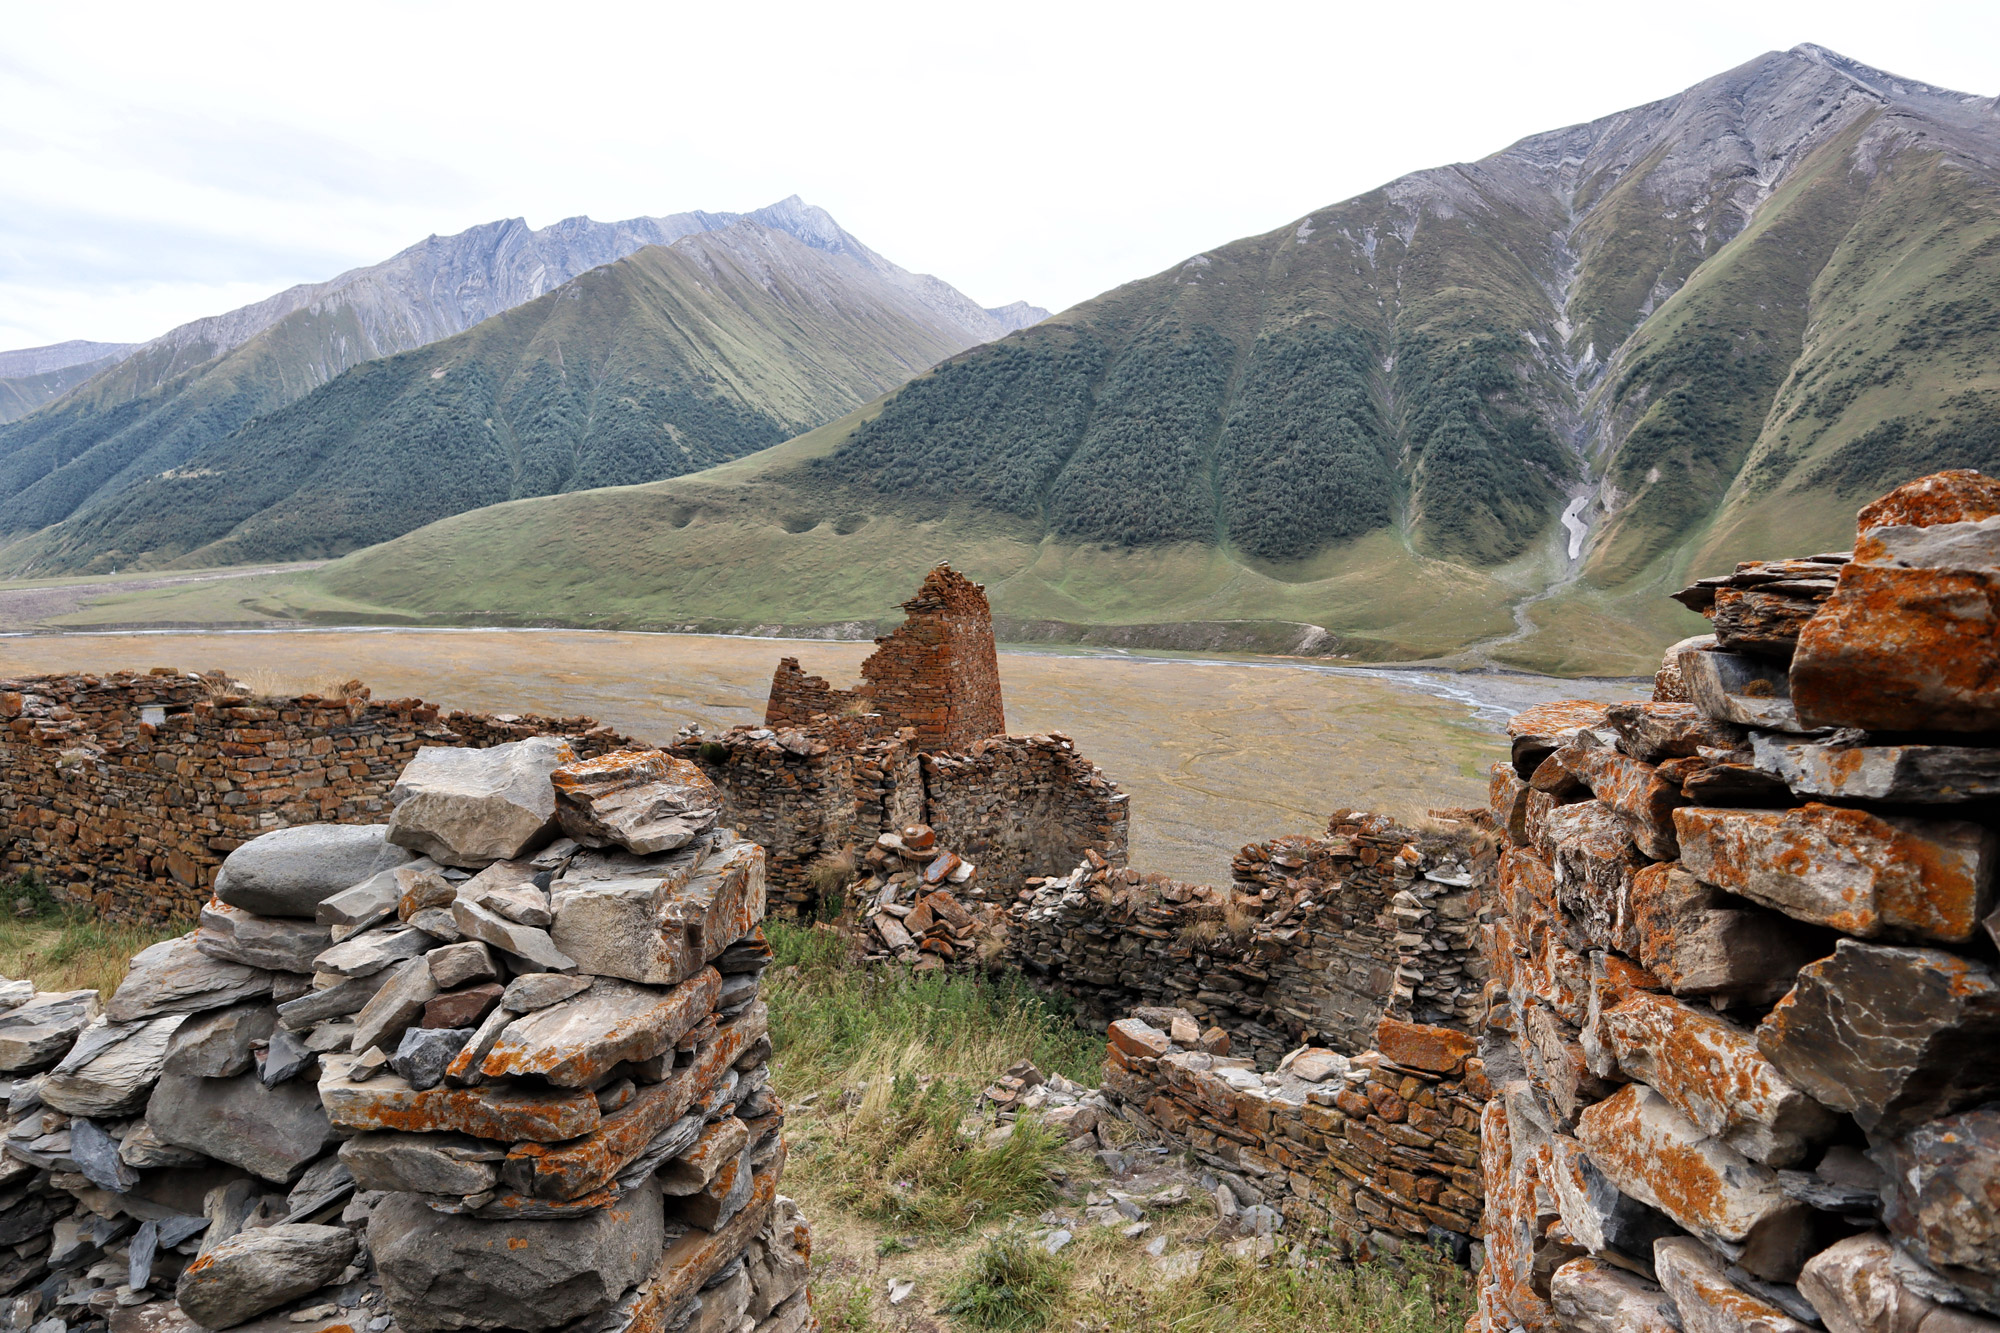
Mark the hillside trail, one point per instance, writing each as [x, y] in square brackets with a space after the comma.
[1575, 530]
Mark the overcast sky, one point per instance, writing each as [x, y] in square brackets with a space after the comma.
[163, 162]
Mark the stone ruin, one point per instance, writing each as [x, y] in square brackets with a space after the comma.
[497, 1063]
[1743, 1029]
[938, 674]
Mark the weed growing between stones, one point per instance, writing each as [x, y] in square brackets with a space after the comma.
[1009, 1283]
[60, 946]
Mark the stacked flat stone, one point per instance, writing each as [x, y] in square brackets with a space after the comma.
[910, 890]
[1744, 1030]
[1311, 941]
[1373, 1154]
[497, 1064]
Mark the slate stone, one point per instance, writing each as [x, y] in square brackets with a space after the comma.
[290, 871]
[1860, 873]
[1926, 774]
[218, 1044]
[176, 977]
[14, 994]
[424, 1053]
[467, 807]
[658, 921]
[696, 1166]
[276, 944]
[96, 1156]
[1708, 1302]
[515, 1112]
[259, 1270]
[645, 801]
[510, 889]
[396, 1006]
[441, 1272]
[374, 899]
[1910, 640]
[538, 990]
[326, 1182]
[1594, 1297]
[453, 965]
[528, 943]
[143, 1150]
[462, 1008]
[463, 1071]
[1597, 1214]
[1891, 1036]
[1855, 1288]
[1652, 1152]
[1712, 1072]
[349, 997]
[438, 923]
[422, 1163]
[287, 1057]
[111, 1068]
[37, 1033]
[573, 1043]
[1538, 732]
[1942, 1198]
[1702, 941]
[372, 950]
[422, 889]
[271, 1132]
[1739, 689]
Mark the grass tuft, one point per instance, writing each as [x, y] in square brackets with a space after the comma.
[1009, 1283]
[1234, 1294]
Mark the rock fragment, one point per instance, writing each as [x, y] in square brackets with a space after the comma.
[259, 1270]
[645, 801]
[271, 1132]
[275, 944]
[473, 807]
[288, 872]
[176, 977]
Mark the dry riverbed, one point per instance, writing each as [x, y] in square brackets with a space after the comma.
[1215, 753]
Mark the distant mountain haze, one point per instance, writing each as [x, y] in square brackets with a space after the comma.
[159, 406]
[33, 377]
[1705, 329]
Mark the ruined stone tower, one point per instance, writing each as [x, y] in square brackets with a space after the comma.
[938, 673]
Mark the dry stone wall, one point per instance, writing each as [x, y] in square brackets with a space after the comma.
[497, 1063]
[1314, 940]
[1374, 1153]
[1014, 806]
[1744, 1020]
[127, 791]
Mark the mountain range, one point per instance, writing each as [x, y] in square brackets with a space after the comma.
[1484, 413]
[155, 456]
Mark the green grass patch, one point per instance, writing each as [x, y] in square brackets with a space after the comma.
[1233, 1294]
[60, 946]
[882, 1067]
[1009, 1283]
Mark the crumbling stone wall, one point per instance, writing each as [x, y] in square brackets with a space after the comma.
[1744, 1025]
[126, 791]
[938, 674]
[1314, 940]
[1014, 806]
[1375, 1152]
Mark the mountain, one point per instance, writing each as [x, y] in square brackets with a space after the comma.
[33, 377]
[173, 397]
[1492, 408]
[672, 359]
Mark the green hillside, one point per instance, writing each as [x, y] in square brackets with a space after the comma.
[666, 362]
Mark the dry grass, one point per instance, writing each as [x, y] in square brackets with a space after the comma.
[61, 947]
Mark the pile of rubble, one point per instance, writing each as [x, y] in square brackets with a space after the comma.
[499, 1063]
[1744, 1030]
[1306, 944]
[909, 892]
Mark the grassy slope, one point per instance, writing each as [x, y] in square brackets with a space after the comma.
[668, 361]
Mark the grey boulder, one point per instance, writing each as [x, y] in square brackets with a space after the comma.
[176, 977]
[36, 1034]
[442, 1272]
[290, 871]
[219, 1044]
[272, 1132]
[470, 808]
[111, 1068]
[255, 1271]
[275, 943]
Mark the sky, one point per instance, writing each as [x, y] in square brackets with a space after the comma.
[159, 163]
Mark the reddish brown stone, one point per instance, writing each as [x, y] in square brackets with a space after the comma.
[462, 1008]
[1539, 731]
[509, 1112]
[1637, 792]
[573, 1043]
[1702, 941]
[1956, 495]
[1417, 1046]
[698, 1256]
[1864, 874]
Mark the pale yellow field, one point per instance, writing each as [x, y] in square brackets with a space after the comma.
[1215, 754]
